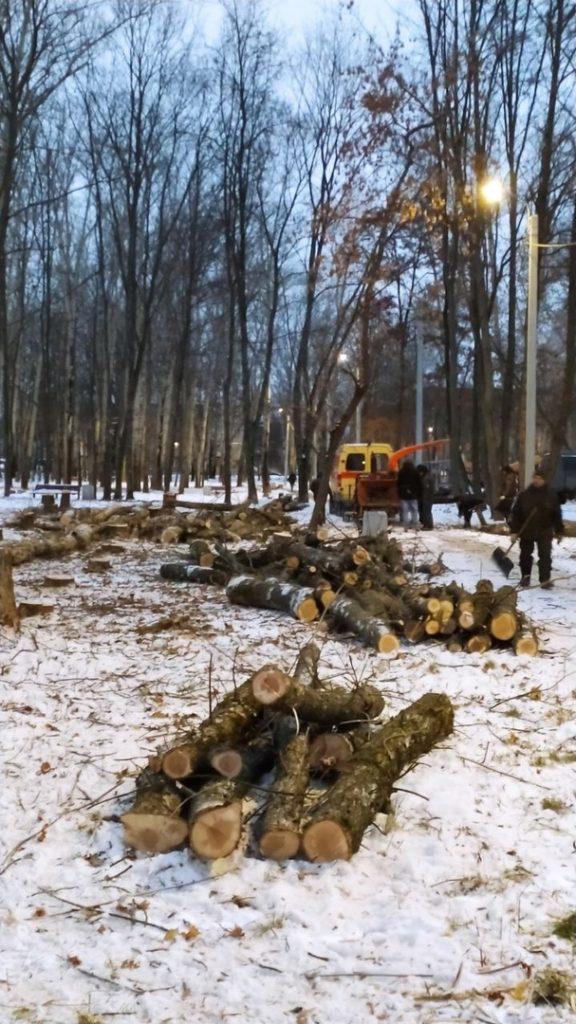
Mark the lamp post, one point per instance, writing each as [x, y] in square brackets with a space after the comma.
[419, 425]
[531, 326]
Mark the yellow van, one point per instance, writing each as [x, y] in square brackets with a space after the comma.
[350, 461]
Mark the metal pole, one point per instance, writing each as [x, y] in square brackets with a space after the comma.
[358, 426]
[287, 448]
[419, 425]
[531, 328]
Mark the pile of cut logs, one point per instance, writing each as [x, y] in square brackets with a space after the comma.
[55, 532]
[333, 766]
[362, 587]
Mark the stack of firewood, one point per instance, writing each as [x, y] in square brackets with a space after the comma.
[322, 767]
[363, 587]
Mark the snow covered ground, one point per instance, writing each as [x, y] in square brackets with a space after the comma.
[443, 915]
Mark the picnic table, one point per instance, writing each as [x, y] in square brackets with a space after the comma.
[48, 493]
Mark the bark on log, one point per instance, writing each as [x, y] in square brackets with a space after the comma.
[47, 547]
[230, 719]
[347, 614]
[339, 820]
[281, 828]
[504, 619]
[325, 705]
[183, 572]
[306, 670]
[526, 639]
[273, 594]
[154, 823]
[474, 609]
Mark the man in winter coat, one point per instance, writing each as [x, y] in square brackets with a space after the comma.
[426, 498]
[537, 518]
[409, 492]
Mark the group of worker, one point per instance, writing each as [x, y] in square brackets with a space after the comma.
[534, 515]
[416, 493]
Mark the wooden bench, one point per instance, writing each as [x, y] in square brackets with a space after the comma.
[48, 493]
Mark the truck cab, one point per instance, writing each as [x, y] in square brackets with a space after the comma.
[352, 461]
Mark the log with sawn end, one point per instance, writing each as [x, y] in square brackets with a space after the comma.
[154, 822]
[338, 822]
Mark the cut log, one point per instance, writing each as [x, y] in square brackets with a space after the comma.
[9, 615]
[183, 572]
[274, 594]
[154, 823]
[216, 819]
[244, 763]
[171, 535]
[281, 828]
[231, 762]
[474, 609]
[324, 705]
[230, 719]
[526, 640]
[415, 631]
[347, 614]
[479, 643]
[504, 619]
[331, 751]
[338, 822]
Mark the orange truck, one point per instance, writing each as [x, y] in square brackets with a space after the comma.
[364, 475]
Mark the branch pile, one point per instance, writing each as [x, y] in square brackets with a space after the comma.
[361, 587]
[289, 737]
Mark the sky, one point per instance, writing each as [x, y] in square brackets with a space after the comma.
[377, 17]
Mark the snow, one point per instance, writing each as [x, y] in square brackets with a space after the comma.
[443, 913]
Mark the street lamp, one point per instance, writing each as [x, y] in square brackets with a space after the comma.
[491, 191]
[342, 360]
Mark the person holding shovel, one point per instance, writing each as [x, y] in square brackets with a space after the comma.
[536, 519]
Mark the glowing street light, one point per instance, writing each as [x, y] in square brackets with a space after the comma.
[491, 191]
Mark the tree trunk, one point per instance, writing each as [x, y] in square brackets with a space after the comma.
[339, 820]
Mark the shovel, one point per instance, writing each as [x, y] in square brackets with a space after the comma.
[500, 556]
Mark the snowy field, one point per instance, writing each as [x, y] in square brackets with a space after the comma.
[444, 915]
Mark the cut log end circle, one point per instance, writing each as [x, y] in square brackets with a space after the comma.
[307, 610]
[216, 832]
[269, 685]
[280, 845]
[325, 841]
[177, 763]
[154, 833]
[388, 644]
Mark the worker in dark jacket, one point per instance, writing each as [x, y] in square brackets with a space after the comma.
[426, 499]
[409, 491]
[537, 518]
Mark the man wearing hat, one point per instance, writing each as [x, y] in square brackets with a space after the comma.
[537, 518]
